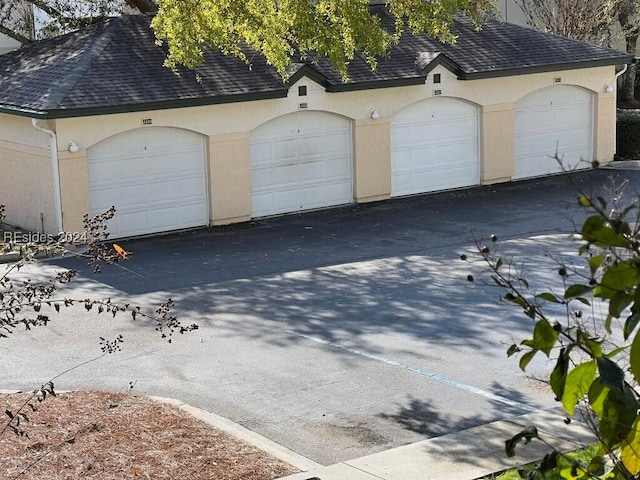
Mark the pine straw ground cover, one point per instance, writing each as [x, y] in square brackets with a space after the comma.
[99, 435]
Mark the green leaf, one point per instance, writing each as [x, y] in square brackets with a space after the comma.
[518, 300]
[574, 472]
[596, 230]
[619, 414]
[530, 311]
[611, 374]
[513, 349]
[630, 324]
[567, 473]
[577, 385]
[633, 319]
[526, 358]
[584, 201]
[549, 462]
[629, 451]
[544, 336]
[620, 277]
[549, 297]
[617, 350]
[559, 373]
[583, 300]
[597, 395]
[634, 357]
[618, 303]
[576, 290]
[594, 347]
[597, 466]
[594, 263]
[592, 344]
[607, 323]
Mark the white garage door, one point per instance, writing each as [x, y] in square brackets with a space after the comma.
[557, 118]
[154, 176]
[301, 161]
[434, 146]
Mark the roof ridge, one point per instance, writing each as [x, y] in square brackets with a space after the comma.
[112, 24]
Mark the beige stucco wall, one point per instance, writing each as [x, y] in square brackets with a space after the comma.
[227, 128]
[497, 142]
[19, 130]
[25, 187]
[237, 118]
[26, 175]
[605, 137]
[74, 189]
[372, 159]
[229, 178]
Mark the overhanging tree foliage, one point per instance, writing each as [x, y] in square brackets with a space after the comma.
[337, 29]
[595, 343]
[276, 29]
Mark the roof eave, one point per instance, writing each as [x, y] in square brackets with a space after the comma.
[142, 107]
[24, 112]
[508, 72]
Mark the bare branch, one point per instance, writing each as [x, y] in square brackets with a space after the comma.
[15, 35]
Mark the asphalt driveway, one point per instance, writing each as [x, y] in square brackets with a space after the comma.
[336, 333]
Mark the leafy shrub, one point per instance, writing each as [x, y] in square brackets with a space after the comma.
[594, 343]
[628, 134]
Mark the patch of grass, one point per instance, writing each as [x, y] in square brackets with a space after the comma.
[583, 455]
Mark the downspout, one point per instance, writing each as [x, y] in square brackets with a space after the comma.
[615, 130]
[55, 170]
[621, 72]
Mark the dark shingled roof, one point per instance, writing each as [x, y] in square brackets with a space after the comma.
[115, 66]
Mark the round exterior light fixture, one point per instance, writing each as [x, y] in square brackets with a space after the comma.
[375, 115]
[608, 88]
[73, 147]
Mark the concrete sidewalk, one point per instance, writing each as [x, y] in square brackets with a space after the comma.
[466, 455]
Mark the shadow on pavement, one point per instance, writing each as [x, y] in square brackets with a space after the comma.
[396, 227]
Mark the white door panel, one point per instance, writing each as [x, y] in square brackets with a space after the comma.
[554, 119]
[155, 177]
[300, 162]
[434, 145]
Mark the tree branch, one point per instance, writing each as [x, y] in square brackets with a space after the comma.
[46, 8]
[15, 35]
